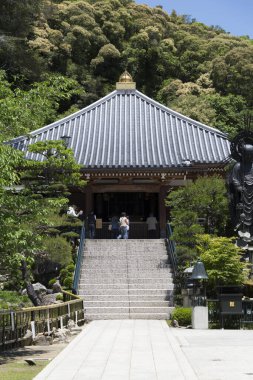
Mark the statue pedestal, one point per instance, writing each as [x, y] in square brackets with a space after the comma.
[200, 317]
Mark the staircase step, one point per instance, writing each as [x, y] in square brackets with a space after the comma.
[143, 282]
[131, 292]
[127, 281]
[131, 298]
[111, 261]
[115, 277]
[125, 310]
[94, 316]
[125, 303]
[129, 287]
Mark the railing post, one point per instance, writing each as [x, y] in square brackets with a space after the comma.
[48, 322]
[12, 321]
[33, 329]
[61, 322]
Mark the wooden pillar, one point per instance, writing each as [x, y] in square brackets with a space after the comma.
[162, 210]
[88, 200]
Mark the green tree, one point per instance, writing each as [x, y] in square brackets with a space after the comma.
[199, 101]
[17, 17]
[9, 160]
[233, 73]
[203, 200]
[26, 213]
[221, 258]
[206, 198]
[23, 111]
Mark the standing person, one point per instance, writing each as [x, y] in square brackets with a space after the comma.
[115, 227]
[91, 220]
[151, 222]
[123, 223]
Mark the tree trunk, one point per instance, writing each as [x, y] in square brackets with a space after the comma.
[29, 287]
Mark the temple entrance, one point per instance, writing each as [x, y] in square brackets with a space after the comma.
[137, 205]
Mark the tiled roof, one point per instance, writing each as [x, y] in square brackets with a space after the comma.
[127, 129]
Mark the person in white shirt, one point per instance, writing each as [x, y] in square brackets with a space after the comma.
[123, 224]
[72, 212]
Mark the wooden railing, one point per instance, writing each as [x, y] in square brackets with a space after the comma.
[14, 324]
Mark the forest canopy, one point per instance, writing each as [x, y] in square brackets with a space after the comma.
[200, 71]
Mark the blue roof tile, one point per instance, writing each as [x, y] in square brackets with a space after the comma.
[127, 129]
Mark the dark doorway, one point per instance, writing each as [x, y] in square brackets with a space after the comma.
[137, 205]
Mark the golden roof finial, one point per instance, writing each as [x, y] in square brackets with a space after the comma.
[125, 77]
[125, 82]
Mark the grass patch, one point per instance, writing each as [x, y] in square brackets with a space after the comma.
[21, 371]
[13, 300]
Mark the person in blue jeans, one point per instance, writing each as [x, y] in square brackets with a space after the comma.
[91, 221]
[123, 223]
[115, 227]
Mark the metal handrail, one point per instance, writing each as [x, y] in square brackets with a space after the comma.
[171, 248]
[79, 258]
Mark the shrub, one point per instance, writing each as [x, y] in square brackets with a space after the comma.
[70, 235]
[13, 300]
[51, 282]
[68, 281]
[66, 276]
[59, 297]
[58, 250]
[63, 273]
[70, 268]
[182, 315]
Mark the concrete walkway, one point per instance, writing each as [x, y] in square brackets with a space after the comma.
[150, 350]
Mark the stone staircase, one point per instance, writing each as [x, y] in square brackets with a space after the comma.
[126, 279]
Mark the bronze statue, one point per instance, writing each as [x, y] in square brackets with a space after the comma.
[241, 185]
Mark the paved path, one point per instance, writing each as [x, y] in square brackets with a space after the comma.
[150, 350]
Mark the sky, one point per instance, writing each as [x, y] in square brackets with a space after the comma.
[234, 16]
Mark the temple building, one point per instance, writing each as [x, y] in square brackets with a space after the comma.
[133, 151]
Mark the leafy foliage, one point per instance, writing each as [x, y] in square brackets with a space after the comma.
[182, 315]
[28, 216]
[222, 260]
[206, 199]
[91, 42]
[202, 201]
[58, 250]
[58, 56]
[13, 300]
[24, 110]
[67, 275]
